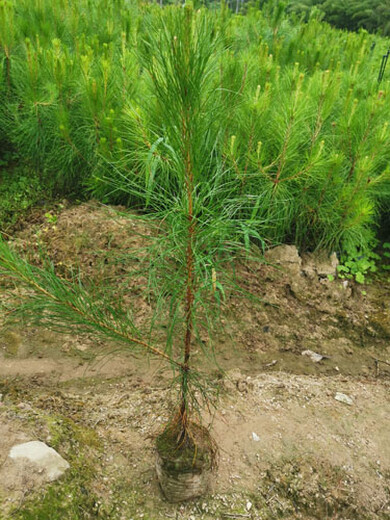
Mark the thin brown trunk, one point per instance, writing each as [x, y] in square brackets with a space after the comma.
[189, 297]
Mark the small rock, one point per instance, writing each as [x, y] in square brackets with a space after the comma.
[343, 398]
[242, 386]
[285, 256]
[44, 457]
[313, 355]
[255, 437]
[248, 505]
[23, 406]
[327, 266]
[319, 264]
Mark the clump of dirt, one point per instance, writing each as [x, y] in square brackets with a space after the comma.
[90, 240]
[312, 487]
[182, 453]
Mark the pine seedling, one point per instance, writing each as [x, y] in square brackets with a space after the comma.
[202, 219]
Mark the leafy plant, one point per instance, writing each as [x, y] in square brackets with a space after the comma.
[51, 218]
[19, 191]
[386, 255]
[357, 265]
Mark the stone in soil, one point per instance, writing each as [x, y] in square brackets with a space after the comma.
[46, 460]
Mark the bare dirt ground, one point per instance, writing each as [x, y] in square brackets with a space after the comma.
[287, 448]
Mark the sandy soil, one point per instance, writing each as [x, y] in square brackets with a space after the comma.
[287, 447]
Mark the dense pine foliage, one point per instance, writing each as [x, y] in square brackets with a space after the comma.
[290, 122]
